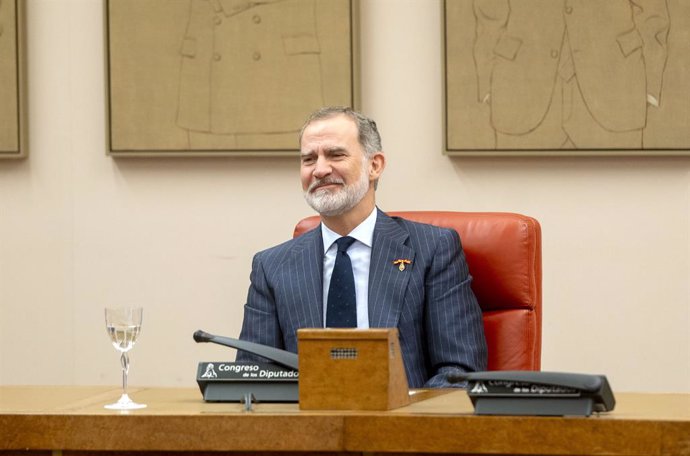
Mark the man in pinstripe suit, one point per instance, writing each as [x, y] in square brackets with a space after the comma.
[407, 275]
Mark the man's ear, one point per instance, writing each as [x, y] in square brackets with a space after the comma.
[376, 165]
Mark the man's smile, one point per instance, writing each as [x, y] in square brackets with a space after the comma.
[325, 185]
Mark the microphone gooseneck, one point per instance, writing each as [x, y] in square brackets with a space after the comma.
[282, 357]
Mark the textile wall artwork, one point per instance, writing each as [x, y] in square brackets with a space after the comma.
[530, 77]
[11, 123]
[224, 77]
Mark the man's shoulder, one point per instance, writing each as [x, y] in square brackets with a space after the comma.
[422, 229]
[283, 249]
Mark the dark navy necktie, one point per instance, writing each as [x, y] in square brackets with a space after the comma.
[341, 308]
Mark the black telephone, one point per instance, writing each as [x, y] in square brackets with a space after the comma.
[536, 393]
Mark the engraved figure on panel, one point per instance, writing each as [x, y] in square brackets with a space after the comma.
[243, 62]
[570, 73]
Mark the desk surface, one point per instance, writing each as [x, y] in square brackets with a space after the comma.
[73, 418]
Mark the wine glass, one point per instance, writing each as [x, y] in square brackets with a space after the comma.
[124, 325]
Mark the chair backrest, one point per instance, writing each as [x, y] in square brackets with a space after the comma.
[503, 252]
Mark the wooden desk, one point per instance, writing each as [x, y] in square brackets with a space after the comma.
[72, 420]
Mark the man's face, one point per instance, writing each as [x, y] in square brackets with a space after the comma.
[334, 168]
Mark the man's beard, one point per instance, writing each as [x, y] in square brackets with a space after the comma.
[335, 202]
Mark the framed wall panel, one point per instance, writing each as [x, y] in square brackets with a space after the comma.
[11, 121]
[534, 77]
[224, 77]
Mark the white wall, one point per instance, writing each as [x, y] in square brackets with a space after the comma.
[80, 231]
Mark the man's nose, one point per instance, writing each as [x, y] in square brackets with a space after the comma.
[322, 168]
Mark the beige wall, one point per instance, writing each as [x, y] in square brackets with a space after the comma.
[80, 231]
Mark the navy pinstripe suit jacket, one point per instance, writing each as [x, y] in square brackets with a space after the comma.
[430, 302]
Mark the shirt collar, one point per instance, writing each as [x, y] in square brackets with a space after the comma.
[364, 232]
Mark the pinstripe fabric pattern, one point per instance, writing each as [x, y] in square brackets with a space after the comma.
[430, 301]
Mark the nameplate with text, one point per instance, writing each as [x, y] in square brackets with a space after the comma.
[230, 381]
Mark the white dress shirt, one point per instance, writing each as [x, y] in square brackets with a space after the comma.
[360, 256]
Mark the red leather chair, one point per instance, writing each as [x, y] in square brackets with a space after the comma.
[503, 251]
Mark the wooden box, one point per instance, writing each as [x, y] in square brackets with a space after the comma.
[351, 369]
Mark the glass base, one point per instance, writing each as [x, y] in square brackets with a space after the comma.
[125, 403]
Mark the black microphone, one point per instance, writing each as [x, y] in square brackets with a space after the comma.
[457, 377]
[282, 357]
[202, 336]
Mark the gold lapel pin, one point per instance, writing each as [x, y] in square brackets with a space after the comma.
[401, 263]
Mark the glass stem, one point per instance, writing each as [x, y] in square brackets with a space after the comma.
[124, 360]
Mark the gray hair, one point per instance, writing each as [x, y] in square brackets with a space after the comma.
[368, 134]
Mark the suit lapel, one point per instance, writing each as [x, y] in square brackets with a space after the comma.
[307, 270]
[387, 283]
